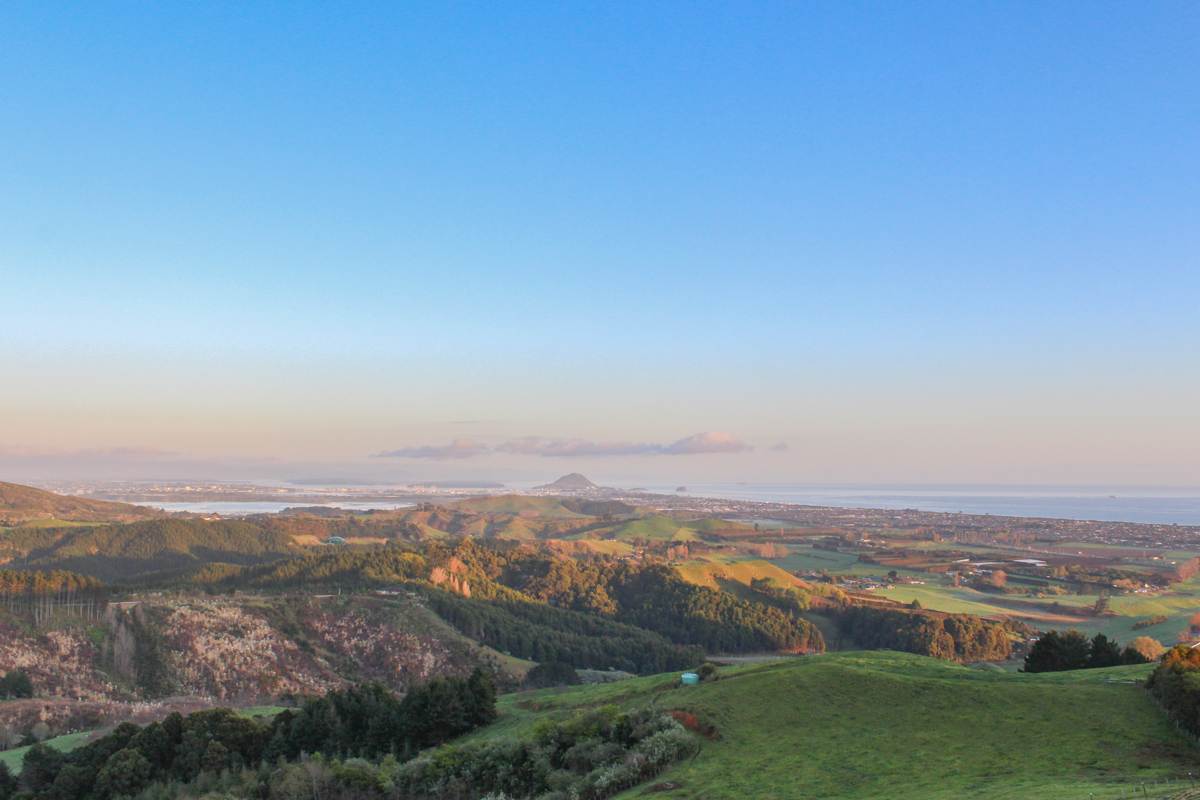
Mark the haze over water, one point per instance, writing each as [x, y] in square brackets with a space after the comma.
[1161, 505]
[1166, 505]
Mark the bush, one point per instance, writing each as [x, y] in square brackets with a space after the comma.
[1146, 647]
[16, 684]
[588, 757]
[552, 673]
[1176, 684]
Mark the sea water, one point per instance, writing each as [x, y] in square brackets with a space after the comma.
[1166, 505]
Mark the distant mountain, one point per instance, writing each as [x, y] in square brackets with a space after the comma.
[570, 483]
[20, 505]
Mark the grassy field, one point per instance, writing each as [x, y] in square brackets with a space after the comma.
[51, 522]
[805, 558]
[518, 504]
[13, 759]
[260, 711]
[1178, 604]
[881, 724]
[608, 547]
[706, 570]
[656, 527]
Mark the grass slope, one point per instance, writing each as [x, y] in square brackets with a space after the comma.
[115, 552]
[1178, 604]
[23, 504]
[551, 507]
[656, 527]
[882, 724]
[15, 758]
[710, 569]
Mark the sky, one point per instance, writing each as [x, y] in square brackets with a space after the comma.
[786, 242]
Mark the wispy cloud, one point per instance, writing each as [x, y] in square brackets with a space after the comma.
[780, 447]
[700, 443]
[574, 448]
[459, 448]
[711, 442]
[548, 447]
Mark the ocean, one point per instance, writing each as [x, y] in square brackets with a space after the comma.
[1180, 506]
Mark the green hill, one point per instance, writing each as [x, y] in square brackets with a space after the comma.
[664, 527]
[710, 570]
[655, 527]
[884, 724]
[117, 552]
[517, 504]
[20, 505]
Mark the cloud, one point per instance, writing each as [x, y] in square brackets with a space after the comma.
[780, 447]
[574, 448]
[547, 447]
[700, 443]
[459, 448]
[711, 442]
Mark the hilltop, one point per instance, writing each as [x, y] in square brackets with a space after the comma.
[574, 482]
[117, 552]
[21, 505]
[885, 724]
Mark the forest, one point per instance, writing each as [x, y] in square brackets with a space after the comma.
[955, 637]
[45, 593]
[364, 721]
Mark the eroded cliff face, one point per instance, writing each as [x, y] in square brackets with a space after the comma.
[396, 652]
[452, 577]
[61, 661]
[232, 653]
[144, 657]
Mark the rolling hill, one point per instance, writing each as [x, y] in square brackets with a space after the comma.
[119, 552]
[20, 505]
[885, 724]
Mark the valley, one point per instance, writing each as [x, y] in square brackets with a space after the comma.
[133, 620]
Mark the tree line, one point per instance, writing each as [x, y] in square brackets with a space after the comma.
[545, 633]
[954, 637]
[592, 755]
[364, 722]
[42, 593]
[1056, 652]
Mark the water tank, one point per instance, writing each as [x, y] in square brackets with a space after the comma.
[689, 679]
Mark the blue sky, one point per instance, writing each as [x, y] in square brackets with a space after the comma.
[912, 242]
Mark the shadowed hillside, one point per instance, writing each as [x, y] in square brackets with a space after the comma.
[23, 504]
[121, 552]
[870, 725]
